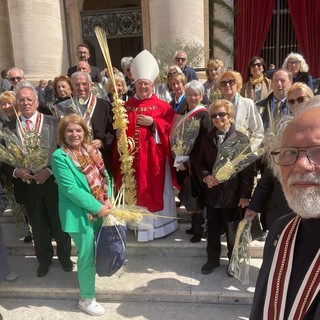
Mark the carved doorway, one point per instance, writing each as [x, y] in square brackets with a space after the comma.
[123, 27]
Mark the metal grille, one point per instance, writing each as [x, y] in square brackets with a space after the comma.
[123, 23]
[281, 39]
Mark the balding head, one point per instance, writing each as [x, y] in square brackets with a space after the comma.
[83, 66]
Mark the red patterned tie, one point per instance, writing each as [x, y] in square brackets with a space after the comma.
[28, 125]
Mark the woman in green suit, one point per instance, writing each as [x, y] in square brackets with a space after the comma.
[84, 192]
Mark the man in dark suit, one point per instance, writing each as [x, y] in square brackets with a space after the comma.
[97, 113]
[180, 59]
[275, 105]
[288, 285]
[35, 186]
[83, 54]
[271, 109]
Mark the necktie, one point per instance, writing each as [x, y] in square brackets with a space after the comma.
[276, 112]
[28, 125]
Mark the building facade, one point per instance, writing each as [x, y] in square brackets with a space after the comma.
[41, 36]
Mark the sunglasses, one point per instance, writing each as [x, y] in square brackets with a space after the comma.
[299, 100]
[219, 115]
[256, 65]
[180, 59]
[224, 83]
[15, 78]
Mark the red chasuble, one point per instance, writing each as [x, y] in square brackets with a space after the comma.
[149, 156]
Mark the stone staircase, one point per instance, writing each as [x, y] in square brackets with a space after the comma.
[163, 274]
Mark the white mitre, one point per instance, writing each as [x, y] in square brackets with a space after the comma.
[144, 66]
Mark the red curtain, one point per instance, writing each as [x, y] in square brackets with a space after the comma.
[252, 23]
[305, 15]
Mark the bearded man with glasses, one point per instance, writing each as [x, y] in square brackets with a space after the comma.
[180, 60]
[288, 285]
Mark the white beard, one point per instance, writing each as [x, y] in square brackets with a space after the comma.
[304, 202]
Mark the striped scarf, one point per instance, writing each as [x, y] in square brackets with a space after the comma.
[279, 277]
[89, 161]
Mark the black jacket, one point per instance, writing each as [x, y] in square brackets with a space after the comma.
[226, 194]
[304, 255]
[264, 108]
[95, 73]
[268, 197]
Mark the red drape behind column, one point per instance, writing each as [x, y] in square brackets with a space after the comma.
[305, 15]
[251, 28]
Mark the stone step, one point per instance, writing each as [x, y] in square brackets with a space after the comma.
[176, 244]
[142, 279]
[160, 277]
[41, 309]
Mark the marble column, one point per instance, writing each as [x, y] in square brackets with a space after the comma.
[6, 54]
[38, 35]
[74, 27]
[179, 19]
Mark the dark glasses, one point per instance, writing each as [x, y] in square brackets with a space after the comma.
[256, 65]
[219, 115]
[229, 82]
[180, 59]
[15, 78]
[299, 100]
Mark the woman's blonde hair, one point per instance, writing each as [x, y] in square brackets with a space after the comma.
[117, 76]
[300, 86]
[8, 97]
[180, 77]
[74, 119]
[223, 103]
[234, 74]
[215, 63]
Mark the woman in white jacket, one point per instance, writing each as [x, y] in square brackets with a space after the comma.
[247, 117]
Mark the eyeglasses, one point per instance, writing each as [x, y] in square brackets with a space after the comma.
[256, 65]
[28, 100]
[224, 83]
[287, 156]
[15, 78]
[83, 52]
[180, 59]
[299, 100]
[219, 115]
[291, 63]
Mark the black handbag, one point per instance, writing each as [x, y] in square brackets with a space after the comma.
[110, 250]
[190, 194]
[256, 231]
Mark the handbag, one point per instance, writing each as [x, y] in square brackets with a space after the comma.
[256, 231]
[110, 250]
[190, 194]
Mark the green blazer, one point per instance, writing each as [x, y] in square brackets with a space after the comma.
[75, 198]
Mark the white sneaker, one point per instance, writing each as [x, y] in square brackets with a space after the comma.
[12, 276]
[92, 307]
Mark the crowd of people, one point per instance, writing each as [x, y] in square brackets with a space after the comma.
[179, 134]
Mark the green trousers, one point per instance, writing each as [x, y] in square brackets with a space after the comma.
[86, 262]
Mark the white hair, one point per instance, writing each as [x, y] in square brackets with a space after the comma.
[24, 84]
